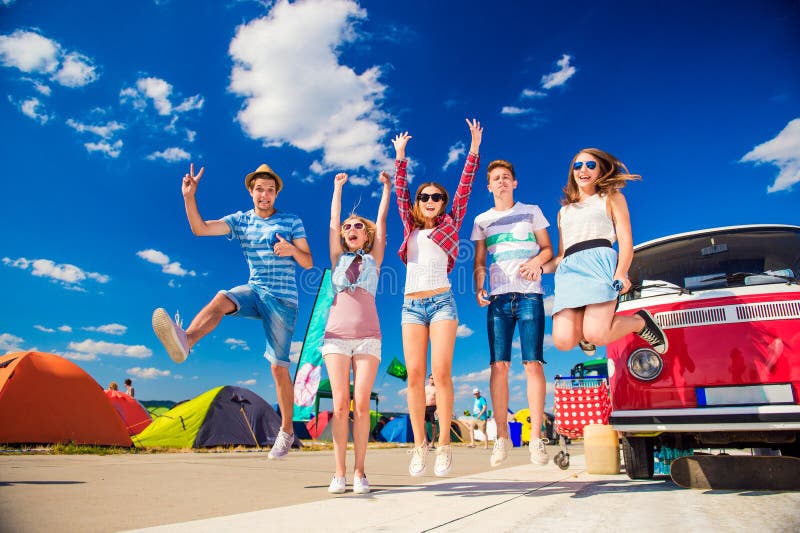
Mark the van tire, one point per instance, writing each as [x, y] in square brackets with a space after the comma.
[637, 452]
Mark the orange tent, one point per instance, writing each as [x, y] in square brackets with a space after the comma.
[45, 398]
[133, 415]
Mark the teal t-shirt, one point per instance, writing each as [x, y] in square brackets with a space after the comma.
[477, 406]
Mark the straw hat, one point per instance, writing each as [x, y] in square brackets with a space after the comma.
[264, 170]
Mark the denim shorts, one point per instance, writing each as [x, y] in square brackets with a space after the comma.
[424, 311]
[277, 318]
[351, 347]
[506, 311]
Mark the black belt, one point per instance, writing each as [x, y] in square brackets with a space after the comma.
[586, 245]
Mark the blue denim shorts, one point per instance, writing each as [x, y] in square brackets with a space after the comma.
[423, 311]
[508, 310]
[277, 318]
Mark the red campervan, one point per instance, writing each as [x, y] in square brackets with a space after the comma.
[728, 300]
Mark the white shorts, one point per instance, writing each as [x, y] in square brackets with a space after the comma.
[351, 347]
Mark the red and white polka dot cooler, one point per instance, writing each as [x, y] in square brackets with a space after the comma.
[578, 403]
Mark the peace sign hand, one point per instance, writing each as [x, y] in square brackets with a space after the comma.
[190, 180]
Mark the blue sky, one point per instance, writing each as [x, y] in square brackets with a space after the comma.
[107, 103]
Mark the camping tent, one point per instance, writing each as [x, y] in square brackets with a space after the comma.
[45, 398]
[133, 414]
[398, 429]
[223, 416]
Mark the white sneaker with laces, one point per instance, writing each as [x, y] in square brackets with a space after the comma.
[171, 335]
[538, 451]
[500, 451]
[283, 443]
[337, 485]
[444, 460]
[419, 458]
[361, 485]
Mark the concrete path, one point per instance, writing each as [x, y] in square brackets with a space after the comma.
[200, 492]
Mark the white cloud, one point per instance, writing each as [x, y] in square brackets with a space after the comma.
[33, 53]
[248, 382]
[471, 377]
[548, 304]
[783, 151]
[559, 77]
[237, 343]
[68, 275]
[29, 52]
[463, 331]
[111, 329]
[34, 109]
[104, 131]
[10, 343]
[167, 267]
[111, 150]
[294, 351]
[158, 92]
[297, 92]
[76, 356]
[76, 71]
[454, 153]
[110, 348]
[171, 155]
[514, 110]
[44, 329]
[359, 180]
[532, 93]
[65, 328]
[147, 373]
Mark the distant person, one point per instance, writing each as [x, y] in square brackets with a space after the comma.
[429, 250]
[513, 237]
[274, 243]
[480, 413]
[129, 390]
[430, 407]
[352, 336]
[113, 386]
[589, 273]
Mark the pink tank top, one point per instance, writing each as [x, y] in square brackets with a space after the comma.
[353, 314]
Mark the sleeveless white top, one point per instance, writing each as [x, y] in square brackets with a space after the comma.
[586, 220]
[426, 268]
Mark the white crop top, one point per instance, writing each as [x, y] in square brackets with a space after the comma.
[586, 220]
[426, 268]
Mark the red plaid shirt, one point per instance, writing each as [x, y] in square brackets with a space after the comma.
[445, 232]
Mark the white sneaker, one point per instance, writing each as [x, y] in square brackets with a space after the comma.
[538, 451]
[360, 485]
[283, 443]
[171, 335]
[500, 451]
[419, 458]
[444, 460]
[337, 485]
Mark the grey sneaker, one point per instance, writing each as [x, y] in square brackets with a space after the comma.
[337, 485]
[419, 459]
[444, 461]
[652, 332]
[171, 335]
[500, 451]
[587, 347]
[538, 451]
[283, 443]
[361, 485]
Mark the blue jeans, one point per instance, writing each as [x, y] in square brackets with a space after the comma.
[508, 310]
[423, 311]
[277, 318]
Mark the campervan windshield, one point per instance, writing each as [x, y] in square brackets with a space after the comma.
[716, 259]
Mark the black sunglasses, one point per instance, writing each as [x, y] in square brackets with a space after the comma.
[436, 197]
[591, 165]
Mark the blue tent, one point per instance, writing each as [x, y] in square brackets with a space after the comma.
[398, 430]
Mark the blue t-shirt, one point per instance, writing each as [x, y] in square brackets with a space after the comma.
[477, 406]
[270, 275]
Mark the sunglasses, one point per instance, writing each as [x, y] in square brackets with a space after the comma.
[355, 225]
[591, 165]
[436, 197]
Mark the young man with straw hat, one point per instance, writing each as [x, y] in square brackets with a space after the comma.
[273, 242]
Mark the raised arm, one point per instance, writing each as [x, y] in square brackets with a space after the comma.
[401, 180]
[334, 229]
[622, 227]
[379, 246]
[200, 227]
[468, 175]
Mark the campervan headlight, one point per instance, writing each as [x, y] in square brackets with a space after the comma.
[645, 364]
